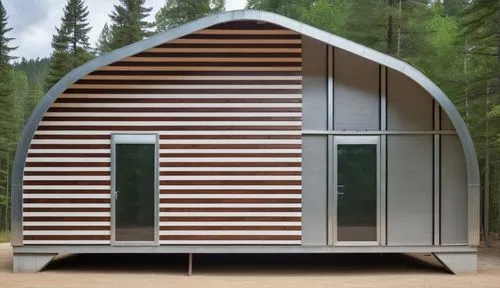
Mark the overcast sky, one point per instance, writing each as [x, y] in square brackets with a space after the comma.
[34, 21]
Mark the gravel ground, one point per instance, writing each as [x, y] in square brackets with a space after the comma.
[274, 271]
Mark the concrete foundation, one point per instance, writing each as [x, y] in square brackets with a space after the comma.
[458, 262]
[30, 263]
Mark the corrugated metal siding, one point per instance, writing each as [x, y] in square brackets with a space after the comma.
[227, 104]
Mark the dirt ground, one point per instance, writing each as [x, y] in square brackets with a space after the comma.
[276, 271]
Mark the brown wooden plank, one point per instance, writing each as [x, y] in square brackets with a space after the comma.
[70, 228]
[215, 54]
[144, 119]
[230, 228]
[255, 137]
[69, 219]
[68, 164]
[178, 100]
[170, 128]
[230, 173]
[66, 237]
[84, 137]
[231, 164]
[68, 201]
[235, 209]
[72, 155]
[230, 45]
[196, 73]
[230, 146]
[242, 36]
[75, 209]
[188, 82]
[210, 182]
[240, 201]
[65, 191]
[225, 155]
[231, 219]
[180, 91]
[66, 182]
[232, 191]
[229, 237]
[67, 173]
[70, 146]
[172, 109]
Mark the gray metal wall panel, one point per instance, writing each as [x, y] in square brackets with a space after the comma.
[446, 122]
[453, 191]
[409, 106]
[409, 190]
[356, 92]
[314, 191]
[314, 84]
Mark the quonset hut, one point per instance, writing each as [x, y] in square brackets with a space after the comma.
[245, 132]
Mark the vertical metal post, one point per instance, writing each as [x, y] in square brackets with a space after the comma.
[437, 175]
[330, 155]
[383, 156]
[486, 210]
[190, 264]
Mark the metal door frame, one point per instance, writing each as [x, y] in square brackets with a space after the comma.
[134, 139]
[332, 193]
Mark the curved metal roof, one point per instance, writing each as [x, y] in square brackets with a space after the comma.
[339, 42]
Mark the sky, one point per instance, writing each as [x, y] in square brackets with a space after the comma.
[34, 21]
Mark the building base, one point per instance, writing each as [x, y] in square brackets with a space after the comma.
[31, 263]
[458, 262]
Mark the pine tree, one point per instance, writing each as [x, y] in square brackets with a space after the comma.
[292, 9]
[5, 49]
[178, 12]
[104, 40]
[128, 24]
[71, 42]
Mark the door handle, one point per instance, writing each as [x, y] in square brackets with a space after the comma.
[116, 194]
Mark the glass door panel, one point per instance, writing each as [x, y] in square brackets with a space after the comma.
[134, 192]
[357, 185]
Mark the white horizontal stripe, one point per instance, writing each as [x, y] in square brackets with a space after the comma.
[229, 187]
[66, 232]
[229, 205]
[182, 96]
[70, 141]
[77, 159]
[102, 188]
[179, 105]
[230, 141]
[76, 151]
[66, 242]
[231, 223]
[246, 32]
[238, 41]
[230, 232]
[52, 169]
[64, 196]
[229, 177]
[230, 196]
[67, 223]
[215, 214]
[66, 205]
[199, 68]
[69, 178]
[191, 77]
[225, 50]
[193, 86]
[201, 132]
[139, 59]
[172, 114]
[218, 160]
[246, 169]
[66, 214]
[226, 242]
[97, 122]
[223, 151]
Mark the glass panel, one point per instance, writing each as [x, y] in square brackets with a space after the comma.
[357, 193]
[135, 185]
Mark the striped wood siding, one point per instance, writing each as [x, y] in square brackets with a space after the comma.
[226, 102]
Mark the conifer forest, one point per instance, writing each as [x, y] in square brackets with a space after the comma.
[456, 43]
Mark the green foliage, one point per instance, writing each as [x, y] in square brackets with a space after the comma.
[102, 45]
[128, 24]
[178, 12]
[70, 43]
[5, 49]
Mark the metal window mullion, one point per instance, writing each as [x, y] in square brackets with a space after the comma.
[383, 156]
[330, 197]
[437, 175]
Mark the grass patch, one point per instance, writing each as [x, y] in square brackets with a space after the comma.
[4, 236]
